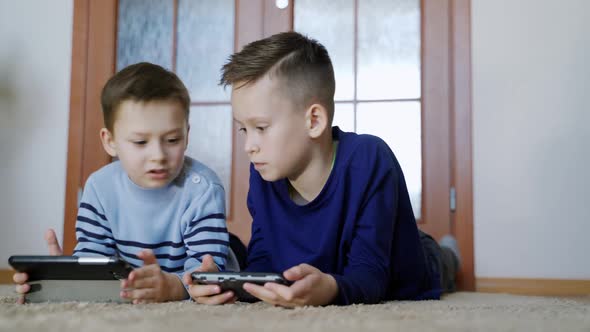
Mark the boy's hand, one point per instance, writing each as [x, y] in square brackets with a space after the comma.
[149, 284]
[52, 244]
[207, 294]
[311, 287]
[20, 279]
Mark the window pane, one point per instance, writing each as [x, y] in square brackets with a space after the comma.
[210, 141]
[311, 17]
[344, 116]
[398, 124]
[144, 32]
[388, 49]
[205, 41]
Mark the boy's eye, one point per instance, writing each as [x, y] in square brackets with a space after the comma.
[174, 140]
[139, 142]
[260, 128]
[242, 130]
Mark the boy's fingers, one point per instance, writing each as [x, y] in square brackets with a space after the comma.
[208, 264]
[283, 291]
[52, 243]
[139, 294]
[20, 278]
[143, 272]
[262, 293]
[148, 257]
[20, 299]
[303, 286]
[222, 298]
[187, 279]
[23, 289]
[147, 282]
[299, 272]
[197, 291]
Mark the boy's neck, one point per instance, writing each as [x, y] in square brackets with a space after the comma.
[308, 185]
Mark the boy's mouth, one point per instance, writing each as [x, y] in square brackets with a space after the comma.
[258, 165]
[158, 173]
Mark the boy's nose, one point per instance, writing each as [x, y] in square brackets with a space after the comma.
[250, 146]
[157, 151]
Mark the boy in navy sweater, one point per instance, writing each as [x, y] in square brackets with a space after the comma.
[330, 209]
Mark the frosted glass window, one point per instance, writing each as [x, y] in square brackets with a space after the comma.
[388, 49]
[312, 17]
[144, 32]
[386, 54]
[205, 41]
[399, 125]
[210, 141]
[344, 116]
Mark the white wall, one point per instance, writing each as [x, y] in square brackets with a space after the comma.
[35, 62]
[531, 135]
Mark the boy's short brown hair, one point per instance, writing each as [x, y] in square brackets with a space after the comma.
[141, 82]
[302, 63]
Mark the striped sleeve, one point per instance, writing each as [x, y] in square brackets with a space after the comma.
[206, 233]
[93, 234]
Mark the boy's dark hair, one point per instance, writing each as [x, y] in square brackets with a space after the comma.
[302, 63]
[141, 82]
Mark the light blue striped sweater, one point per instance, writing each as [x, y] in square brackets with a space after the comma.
[180, 222]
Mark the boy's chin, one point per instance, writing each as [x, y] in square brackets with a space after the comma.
[155, 185]
[270, 177]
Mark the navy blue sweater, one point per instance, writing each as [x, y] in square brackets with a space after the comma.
[360, 228]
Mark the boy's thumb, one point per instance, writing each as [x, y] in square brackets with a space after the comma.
[148, 257]
[209, 264]
[52, 244]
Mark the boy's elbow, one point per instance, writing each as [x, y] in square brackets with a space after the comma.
[363, 289]
[377, 294]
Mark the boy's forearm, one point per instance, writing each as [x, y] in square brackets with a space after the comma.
[175, 290]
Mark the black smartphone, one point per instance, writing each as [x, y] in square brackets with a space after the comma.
[234, 281]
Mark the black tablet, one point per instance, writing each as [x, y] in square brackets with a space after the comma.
[71, 267]
[71, 278]
[234, 281]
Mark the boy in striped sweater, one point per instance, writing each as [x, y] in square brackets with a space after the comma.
[159, 210]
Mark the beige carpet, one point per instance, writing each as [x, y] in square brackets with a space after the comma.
[456, 312]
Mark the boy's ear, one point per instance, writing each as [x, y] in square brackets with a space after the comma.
[108, 142]
[316, 120]
[188, 130]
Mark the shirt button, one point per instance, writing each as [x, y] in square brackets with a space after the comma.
[196, 179]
